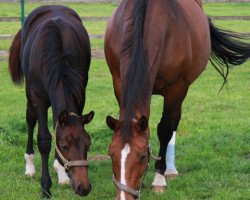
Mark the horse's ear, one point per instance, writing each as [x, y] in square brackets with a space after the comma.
[142, 124]
[63, 118]
[112, 123]
[88, 117]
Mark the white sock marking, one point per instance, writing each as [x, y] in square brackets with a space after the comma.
[62, 176]
[159, 180]
[30, 167]
[124, 154]
[170, 157]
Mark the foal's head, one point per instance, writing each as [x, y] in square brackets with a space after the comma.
[72, 142]
[129, 157]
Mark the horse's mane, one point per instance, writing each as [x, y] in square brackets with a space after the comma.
[62, 65]
[135, 83]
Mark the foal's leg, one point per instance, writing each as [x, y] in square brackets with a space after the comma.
[44, 146]
[31, 119]
[63, 178]
[167, 126]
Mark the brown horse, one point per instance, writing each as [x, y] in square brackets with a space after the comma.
[52, 52]
[157, 47]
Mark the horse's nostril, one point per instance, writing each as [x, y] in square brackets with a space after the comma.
[82, 191]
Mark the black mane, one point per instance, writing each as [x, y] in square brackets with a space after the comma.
[135, 83]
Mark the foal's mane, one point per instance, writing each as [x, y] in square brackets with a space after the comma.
[135, 83]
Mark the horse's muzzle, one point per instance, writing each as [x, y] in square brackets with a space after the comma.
[83, 191]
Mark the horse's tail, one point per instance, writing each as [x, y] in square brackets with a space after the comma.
[136, 88]
[15, 67]
[227, 50]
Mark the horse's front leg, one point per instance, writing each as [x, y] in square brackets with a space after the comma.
[44, 146]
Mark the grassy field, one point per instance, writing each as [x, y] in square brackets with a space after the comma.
[213, 139]
[13, 9]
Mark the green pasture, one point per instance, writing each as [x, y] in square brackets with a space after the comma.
[213, 138]
[83, 9]
[102, 10]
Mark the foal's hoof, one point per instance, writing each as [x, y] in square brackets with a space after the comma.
[46, 195]
[29, 174]
[159, 189]
[30, 167]
[64, 182]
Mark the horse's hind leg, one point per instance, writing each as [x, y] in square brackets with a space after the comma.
[44, 144]
[31, 119]
[171, 171]
[167, 127]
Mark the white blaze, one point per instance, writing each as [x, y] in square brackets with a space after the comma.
[124, 155]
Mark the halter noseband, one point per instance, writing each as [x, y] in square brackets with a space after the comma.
[129, 190]
[67, 164]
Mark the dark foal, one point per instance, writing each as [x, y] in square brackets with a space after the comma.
[157, 47]
[52, 52]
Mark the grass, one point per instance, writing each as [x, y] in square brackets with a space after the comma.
[105, 10]
[213, 139]
[212, 142]
[227, 9]
[84, 10]
[97, 27]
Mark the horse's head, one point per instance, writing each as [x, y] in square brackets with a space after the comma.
[129, 159]
[72, 144]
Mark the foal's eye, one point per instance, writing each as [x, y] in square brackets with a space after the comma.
[65, 147]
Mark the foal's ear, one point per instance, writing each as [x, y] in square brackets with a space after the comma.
[112, 123]
[63, 118]
[88, 117]
[142, 124]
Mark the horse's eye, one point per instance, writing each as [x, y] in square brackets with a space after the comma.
[142, 157]
[65, 147]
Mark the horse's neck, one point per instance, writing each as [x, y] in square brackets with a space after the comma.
[60, 102]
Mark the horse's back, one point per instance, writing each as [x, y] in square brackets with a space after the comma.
[55, 52]
[46, 21]
[187, 45]
[176, 38]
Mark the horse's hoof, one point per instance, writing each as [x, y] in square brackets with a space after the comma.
[171, 174]
[159, 189]
[64, 182]
[29, 174]
[46, 195]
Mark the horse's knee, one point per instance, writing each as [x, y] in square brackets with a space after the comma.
[44, 143]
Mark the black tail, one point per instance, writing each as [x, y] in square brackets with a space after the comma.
[135, 91]
[227, 50]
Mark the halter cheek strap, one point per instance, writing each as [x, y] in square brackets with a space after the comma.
[125, 188]
[67, 164]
